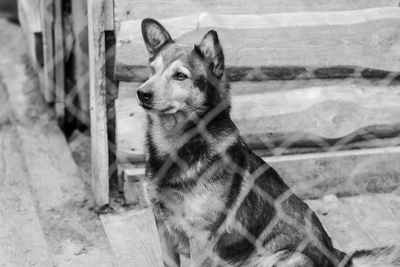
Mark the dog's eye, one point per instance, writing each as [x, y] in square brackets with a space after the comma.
[180, 76]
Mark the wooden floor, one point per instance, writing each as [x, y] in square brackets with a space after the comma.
[46, 209]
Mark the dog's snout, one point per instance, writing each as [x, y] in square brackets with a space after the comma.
[144, 96]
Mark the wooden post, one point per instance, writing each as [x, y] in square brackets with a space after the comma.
[98, 111]
[59, 60]
[81, 60]
[47, 16]
[29, 16]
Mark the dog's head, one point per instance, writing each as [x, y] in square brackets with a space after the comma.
[183, 79]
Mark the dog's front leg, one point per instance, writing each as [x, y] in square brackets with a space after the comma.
[202, 253]
[169, 254]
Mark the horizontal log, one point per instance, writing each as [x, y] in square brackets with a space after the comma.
[128, 89]
[316, 118]
[343, 173]
[139, 9]
[374, 136]
[260, 148]
[127, 73]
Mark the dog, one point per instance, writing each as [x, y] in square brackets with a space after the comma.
[216, 203]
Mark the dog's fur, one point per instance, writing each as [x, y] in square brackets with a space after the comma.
[215, 201]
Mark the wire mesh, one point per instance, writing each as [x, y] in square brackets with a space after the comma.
[280, 206]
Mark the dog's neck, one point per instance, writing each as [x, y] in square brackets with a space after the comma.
[169, 133]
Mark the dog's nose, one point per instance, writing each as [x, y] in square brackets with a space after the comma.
[144, 96]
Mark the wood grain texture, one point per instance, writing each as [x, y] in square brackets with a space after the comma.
[374, 222]
[47, 16]
[98, 110]
[134, 192]
[340, 224]
[128, 10]
[134, 238]
[359, 222]
[272, 73]
[108, 15]
[343, 173]
[312, 47]
[64, 202]
[304, 116]
[29, 17]
[59, 59]
[22, 242]
[81, 59]
[61, 198]
[30, 10]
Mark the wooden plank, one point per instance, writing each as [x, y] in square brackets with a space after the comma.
[374, 215]
[341, 225]
[310, 47]
[273, 73]
[59, 57]
[128, 10]
[81, 59]
[134, 192]
[47, 16]
[22, 242]
[393, 201]
[98, 110]
[63, 200]
[343, 173]
[29, 17]
[180, 25]
[374, 136]
[314, 117]
[359, 222]
[134, 238]
[30, 10]
[108, 15]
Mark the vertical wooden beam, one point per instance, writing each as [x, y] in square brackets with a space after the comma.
[47, 16]
[59, 67]
[108, 15]
[81, 60]
[98, 110]
[29, 16]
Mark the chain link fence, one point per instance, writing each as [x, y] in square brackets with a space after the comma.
[251, 186]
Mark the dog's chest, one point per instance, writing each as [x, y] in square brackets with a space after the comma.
[188, 212]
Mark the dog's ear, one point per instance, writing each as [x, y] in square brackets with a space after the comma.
[155, 36]
[211, 50]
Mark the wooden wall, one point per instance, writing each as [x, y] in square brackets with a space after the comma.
[302, 82]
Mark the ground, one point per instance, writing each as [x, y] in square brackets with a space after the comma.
[47, 215]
